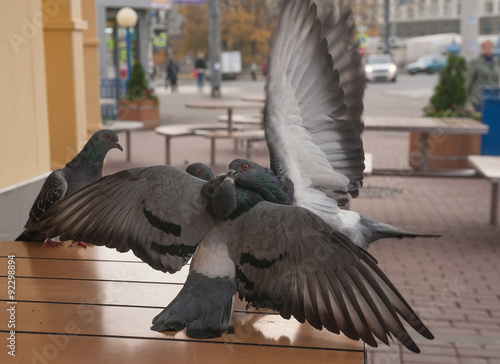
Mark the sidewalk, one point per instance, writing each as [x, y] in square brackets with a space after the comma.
[451, 282]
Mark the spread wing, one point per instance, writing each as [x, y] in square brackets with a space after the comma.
[158, 212]
[314, 104]
[296, 264]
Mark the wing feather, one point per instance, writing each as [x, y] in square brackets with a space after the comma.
[314, 102]
[301, 267]
[157, 212]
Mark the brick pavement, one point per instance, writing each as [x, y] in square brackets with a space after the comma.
[452, 282]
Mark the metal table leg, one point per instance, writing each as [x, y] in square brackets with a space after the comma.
[229, 120]
[212, 151]
[167, 150]
[494, 204]
[128, 145]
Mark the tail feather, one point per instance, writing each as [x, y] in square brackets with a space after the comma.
[379, 230]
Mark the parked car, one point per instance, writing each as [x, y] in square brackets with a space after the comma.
[427, 64]
[381, 67]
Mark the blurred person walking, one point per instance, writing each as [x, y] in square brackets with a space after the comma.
[200, 66]
[172, 71]
[483, 71]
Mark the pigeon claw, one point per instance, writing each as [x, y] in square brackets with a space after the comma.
[52, 243]
[80, 243]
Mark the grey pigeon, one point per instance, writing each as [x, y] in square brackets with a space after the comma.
[274, 254]
[280, 256]
[84, 168]
[313, 120]
[360, 229]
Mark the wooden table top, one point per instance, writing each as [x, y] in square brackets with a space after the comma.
[254, 97]
[224, 104]
[488, 166]
[426, 125]
[77, 305]
[118, 125]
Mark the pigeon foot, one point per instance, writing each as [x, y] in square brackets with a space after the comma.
[80, 243]
[52, 243]
[204, 306]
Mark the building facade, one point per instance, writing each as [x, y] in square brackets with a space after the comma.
[412, 18]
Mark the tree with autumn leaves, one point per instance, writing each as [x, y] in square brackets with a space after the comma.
[246, 27]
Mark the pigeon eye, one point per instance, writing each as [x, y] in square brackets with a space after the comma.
[198, 171]
[245, 167]
[108, 136]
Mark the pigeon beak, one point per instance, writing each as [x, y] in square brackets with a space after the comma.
[230, 176]
[119, 146]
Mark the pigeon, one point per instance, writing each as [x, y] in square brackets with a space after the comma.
[313, 123]
[267, 246]
[280, 256]
[361, 229]
[86, 167]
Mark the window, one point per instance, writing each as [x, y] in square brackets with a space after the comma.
[421, 11]
[410, 13]
[433, 8]
[488, 7]
[448, 8]
[398, 14]
[487, 28]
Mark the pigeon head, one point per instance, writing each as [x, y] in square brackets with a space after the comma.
[200, 170]
[221, 191]
[105, 140]
[262, 180]
[96, 149]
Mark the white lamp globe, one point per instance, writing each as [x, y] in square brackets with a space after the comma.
[126, 17]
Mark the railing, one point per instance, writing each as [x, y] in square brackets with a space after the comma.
[111, 88]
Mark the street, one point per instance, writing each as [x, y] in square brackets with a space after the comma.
[406, 97]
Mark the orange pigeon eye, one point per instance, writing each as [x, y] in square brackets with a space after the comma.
[245, 167]
[198, 171]
[108, 136]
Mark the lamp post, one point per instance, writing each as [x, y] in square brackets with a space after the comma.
[127, 18]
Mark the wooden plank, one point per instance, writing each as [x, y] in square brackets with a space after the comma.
[35, 250]
[98, 292]
[224, 104]
[43, 349]
[441, 126]
[93, 292]
[93, 270]
[250, 328]
[487, 166]
[446, 151]
[245, 134]
[185, 129]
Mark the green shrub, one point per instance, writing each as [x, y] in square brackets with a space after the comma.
[452, 113]
[138, 88]
[450, 94]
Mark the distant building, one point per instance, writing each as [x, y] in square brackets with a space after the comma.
[412, 18]
[112, 51]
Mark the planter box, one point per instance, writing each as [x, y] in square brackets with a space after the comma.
[147, 111]
[445, 151]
